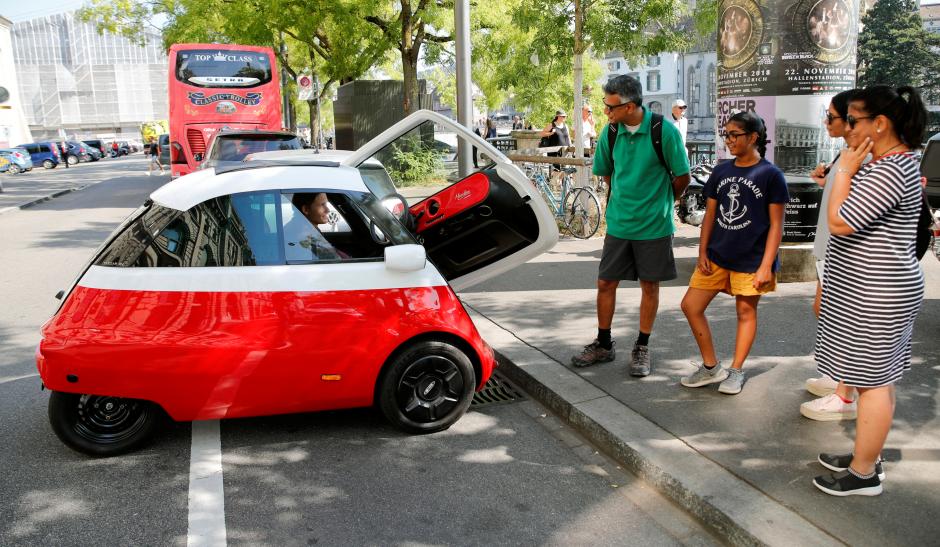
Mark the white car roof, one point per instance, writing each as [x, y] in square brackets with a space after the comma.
[307, 154]
[191, 190]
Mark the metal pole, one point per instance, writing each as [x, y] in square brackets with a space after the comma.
[464, 83]
[316, 96]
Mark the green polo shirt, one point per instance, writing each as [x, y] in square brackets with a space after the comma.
[641, 205]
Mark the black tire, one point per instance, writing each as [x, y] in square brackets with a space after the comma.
[48, 164]
[72, 160]
[86, 424]
[427, 388]
[14, 169]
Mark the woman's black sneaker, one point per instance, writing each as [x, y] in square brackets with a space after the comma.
[847, 483]
[841, 462]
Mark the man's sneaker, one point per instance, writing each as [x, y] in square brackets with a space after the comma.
[733, 383]
[830, 408]
[704, 376]
[640, 361]
[593, 353]
[821, 386]
[841, 462]
[847, 483]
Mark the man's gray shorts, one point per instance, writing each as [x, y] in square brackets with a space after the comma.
[629, 259]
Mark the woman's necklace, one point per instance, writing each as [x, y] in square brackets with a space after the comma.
[890, 149]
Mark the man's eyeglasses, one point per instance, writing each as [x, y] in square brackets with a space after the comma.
[830, 118]
[612, 107]
[852, 120]
[731, 135]
[683, 107]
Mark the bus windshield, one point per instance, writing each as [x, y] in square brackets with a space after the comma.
[223, 68]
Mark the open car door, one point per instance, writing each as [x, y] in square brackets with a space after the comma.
[473, 225]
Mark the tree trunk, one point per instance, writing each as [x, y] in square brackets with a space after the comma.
[409, 84]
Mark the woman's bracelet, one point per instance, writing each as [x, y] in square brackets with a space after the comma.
[843, 170]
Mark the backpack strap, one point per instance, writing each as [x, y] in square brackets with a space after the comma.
[611, 140]
[656, 134]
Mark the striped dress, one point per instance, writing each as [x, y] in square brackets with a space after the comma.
[874, 285]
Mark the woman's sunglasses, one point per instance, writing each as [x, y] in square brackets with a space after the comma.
[852, 120]
[830, 118]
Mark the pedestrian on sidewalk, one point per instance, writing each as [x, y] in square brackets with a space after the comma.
[154, 150]
[873, 285]
[741, 233]
[639, 213]
[835, 400]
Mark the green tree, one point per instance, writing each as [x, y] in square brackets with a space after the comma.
[895, 49]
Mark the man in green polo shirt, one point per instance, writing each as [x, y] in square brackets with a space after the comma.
[638, 245]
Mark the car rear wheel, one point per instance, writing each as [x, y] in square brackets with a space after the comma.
[100, 425]
[48, 164]
[427, 388]
[14, 169]
[72, 160]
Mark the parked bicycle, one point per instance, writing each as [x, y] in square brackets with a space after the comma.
[576, 206]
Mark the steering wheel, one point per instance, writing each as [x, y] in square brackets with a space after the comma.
[405, 216]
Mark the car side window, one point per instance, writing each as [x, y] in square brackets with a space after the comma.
[327, 227]
[237, 230]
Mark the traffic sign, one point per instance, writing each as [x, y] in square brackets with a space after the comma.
[305, 87]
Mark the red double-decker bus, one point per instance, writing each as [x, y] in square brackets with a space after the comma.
[218, 86]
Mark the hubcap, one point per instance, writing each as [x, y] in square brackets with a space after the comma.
[429, 389]
[108, 420]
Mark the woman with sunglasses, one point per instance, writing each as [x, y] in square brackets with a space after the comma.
[835, 400]
[741, 233]
[873, 284]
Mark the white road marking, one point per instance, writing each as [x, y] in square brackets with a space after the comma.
[206, 492]
[15, 378]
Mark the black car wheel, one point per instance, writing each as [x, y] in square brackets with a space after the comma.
[48, 164]
[99, 425]
[14, 169]
[72, 159]
[427, 387]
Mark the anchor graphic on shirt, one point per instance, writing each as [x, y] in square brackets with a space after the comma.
[735, 210]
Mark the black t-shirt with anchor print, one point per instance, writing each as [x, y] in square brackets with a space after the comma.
[742, 215]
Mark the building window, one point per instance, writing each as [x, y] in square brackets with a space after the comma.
[690, 97]
[653, 60]
[712, 89]
[656, 107]
[613, 66]
[653, 81]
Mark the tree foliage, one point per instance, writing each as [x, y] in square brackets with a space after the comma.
[895, 49]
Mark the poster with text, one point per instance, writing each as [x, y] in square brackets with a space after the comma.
[746, 64]
[817, 46]
[765, 107]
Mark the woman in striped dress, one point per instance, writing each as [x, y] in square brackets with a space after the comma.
[874, 285]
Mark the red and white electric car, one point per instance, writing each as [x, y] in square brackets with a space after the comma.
[218, 298]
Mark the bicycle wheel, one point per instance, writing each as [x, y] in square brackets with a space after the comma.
[582, 213]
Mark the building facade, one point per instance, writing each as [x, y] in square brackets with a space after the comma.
[13, 127]
[75, 82]
[669, 76]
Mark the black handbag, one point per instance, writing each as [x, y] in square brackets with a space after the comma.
[924, 225]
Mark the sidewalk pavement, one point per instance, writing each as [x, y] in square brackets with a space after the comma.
[742, 463]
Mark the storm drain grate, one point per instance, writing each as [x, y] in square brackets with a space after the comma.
[497, 390]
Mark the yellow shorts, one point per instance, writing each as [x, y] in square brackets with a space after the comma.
[728, 281]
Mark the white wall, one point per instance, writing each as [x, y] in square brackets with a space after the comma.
[13, 127]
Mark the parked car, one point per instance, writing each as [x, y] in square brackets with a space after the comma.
[229, 303]
[164, 142]
[234, 145]
[101, 146]
[19, 158]
[46, 154]
[81, 151]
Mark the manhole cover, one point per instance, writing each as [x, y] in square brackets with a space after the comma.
[497, 390]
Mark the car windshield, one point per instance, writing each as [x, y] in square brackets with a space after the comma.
[223, 68]
[236, 147]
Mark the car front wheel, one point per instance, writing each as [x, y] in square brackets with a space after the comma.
[427, 387]
[14, 168]
[100, 425]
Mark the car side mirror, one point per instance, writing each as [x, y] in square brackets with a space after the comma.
[405, 258]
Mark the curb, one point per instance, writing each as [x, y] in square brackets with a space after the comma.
[28, 204]
[734, 509]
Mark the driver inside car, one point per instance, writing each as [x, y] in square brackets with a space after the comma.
[303, 240]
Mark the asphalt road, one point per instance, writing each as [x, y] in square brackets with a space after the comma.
[507, 473]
